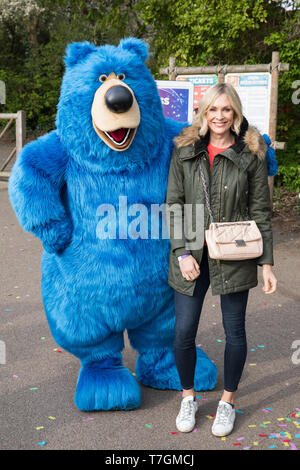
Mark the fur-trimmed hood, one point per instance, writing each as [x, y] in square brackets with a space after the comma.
[248, 135]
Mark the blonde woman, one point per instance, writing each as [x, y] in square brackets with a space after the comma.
[232, 158]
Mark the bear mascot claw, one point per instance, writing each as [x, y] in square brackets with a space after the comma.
[110, 152]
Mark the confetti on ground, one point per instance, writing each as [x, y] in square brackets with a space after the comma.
[90, 419]
[148, 426]
[254, 364]
[219, 340]
[42, 443]
[174, 432]
[39, 427]
[33, 388]
[51, 417]
[15, 376]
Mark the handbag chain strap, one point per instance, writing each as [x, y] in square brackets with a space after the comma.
[205, 192]
[207, 196]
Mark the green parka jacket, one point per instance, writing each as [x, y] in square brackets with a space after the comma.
[238, 189]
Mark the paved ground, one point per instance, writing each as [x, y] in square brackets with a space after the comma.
[38, 381]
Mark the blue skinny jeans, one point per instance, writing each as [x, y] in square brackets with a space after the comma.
[188, 310]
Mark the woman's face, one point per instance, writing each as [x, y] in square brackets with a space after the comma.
[220, 115]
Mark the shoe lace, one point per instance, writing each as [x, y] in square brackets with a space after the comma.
[186, 410]
[222, 414]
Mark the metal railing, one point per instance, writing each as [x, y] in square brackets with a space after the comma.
[20, 118]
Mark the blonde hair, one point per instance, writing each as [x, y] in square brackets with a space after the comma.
[210, 95]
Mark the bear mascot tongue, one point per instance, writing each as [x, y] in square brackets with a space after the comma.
[93, 190]
[119, 135]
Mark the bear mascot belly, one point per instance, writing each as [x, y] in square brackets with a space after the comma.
[89, 190]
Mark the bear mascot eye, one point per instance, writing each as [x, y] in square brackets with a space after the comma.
[102, 78]
[121, 76]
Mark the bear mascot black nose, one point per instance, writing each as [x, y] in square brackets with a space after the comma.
[118, 99]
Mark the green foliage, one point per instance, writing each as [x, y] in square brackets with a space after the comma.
[197, 32]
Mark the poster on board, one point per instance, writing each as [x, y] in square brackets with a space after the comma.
[177, 99]
[254, 90]
[201, 84]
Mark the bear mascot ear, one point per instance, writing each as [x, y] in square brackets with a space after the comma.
[136, 46]
[77, 51]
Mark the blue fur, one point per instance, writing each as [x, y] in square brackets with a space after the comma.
[270, 157]
[93, 289]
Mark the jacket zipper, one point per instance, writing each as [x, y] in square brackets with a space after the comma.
[220, 190]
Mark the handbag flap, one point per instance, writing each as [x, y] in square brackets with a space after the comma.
[231, 231]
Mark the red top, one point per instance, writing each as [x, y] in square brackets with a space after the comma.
[213, 151]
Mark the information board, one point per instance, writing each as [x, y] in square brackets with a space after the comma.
[254, 90]
[201, 84]
[177, 99]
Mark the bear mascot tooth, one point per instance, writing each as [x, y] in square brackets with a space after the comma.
[86, 190]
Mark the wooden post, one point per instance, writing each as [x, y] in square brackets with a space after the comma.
[172, 68]
[20, 131]
[221, 71]
[273, 109]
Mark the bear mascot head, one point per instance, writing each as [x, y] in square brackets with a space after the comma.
[88, 190]
[110, 105]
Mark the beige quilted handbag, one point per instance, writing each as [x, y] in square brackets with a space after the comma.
[232, 240]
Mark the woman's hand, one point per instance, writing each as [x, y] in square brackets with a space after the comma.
[270, 281]
[189, 268]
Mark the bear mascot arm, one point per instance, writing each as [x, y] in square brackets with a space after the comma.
[35, 188]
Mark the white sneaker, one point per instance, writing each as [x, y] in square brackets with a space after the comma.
[185, 421]
[224, 420]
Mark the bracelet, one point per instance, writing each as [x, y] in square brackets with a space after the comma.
[183, 256]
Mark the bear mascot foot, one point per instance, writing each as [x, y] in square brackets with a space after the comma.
[157, 369]
[106, 385]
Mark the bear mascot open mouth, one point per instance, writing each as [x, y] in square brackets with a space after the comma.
[115, 112]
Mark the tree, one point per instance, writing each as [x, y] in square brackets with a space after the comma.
[13, 12]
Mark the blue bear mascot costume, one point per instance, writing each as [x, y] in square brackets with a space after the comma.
[110, 152]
